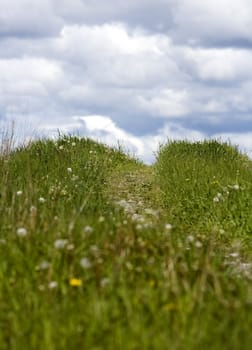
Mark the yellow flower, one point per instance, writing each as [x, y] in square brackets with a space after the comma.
[75, 282]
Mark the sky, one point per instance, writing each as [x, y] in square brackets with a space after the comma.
[135, 73]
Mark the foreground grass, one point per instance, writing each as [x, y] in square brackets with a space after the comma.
[99, 251]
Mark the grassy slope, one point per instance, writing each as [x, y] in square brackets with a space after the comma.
[139, 284]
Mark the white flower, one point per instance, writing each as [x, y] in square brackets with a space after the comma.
[85, 263]
[41, 200]
[168, 227]
[60, 243]
[88, 229]
[216, 199]
[234, 255]
[70, 246]
[19, 193]
[69, 170]
[236, 187]
[22, 232]
[198, 244]
[44, 265]
[73, 144]
[33, 210]
[53, 285]
[94, 248]
[61, 147]
[190, 238]
[104, 282]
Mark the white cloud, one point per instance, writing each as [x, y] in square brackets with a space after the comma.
[222, 64]
[215, 20]
[167, 103]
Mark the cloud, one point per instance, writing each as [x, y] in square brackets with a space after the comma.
[153, 16]
[169, 68]
[214, 22]
[28, 18]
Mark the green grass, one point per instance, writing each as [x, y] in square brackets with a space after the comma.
[99, 251]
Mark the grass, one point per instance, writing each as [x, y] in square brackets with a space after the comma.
[99, 251]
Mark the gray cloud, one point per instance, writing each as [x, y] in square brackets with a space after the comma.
[28, 18]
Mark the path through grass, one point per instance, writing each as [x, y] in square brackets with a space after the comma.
[99, 251]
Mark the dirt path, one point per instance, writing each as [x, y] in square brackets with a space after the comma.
[135, 190]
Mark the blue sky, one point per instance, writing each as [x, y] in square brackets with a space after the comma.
[137, 72]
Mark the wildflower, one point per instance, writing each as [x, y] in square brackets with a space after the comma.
[236, 187]
[104, 282]
[22, 232]
[88, 229]
[216, 199]
[60, 243]
[190, 238]
[44, 265]
[94, 248]
[41, 200]
[52, 285]
[73, 144]
[168, 227]
[198, 244]
[19, 193]
[85, 263]
[101, 219]
[234, 255]
[75, 282]
[41, 288]
[61, 147]
[69, 170]
[33, 210]
[70, 246]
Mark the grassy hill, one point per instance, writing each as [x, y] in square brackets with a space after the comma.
[99, 251]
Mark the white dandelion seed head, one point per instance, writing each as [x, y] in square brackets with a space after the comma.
[168, 227]
[104, 282]
[52, 285]
[190, 238]
[44, 265]
[85, 263]
[198, 244]
[88, 229]
[60, 243]
[22, 232]
[33, 210]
